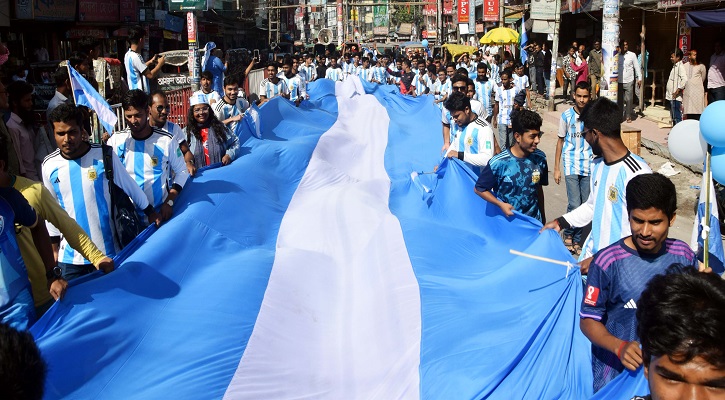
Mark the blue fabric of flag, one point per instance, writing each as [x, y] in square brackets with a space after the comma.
[175, 319]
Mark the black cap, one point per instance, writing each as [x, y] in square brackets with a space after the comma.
[520, 98]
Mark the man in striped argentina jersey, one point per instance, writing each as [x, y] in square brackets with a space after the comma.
[297, 90]
[504, 104]
[577, 159]
[450, 129]
[485, 88]
[613, 167]
[365, 72]
[380, 73]
[159, 118]
[76, 177]
[271, 87]
[333, 72]
[441, 88]
[149, 154]
[422, 81]
[308, 70]
[475, 143]
[138, 72]
[231, 107]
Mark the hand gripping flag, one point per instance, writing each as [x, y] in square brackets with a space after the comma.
[85, 95]
[251, 119]
[700, 231]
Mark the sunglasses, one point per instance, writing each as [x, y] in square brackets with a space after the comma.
[459, 88]
[162, 108]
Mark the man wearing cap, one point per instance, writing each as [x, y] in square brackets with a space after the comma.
[149, 154]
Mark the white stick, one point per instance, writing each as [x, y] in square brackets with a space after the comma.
[566, 264]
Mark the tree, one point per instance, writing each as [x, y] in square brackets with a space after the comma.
[406, 14]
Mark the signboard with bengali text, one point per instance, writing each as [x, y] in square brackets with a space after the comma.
[490, 10]
[98, 10]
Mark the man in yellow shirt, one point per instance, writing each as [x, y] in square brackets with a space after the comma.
[47, 208]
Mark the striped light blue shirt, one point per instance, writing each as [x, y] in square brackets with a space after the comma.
[81, 188]
[576, 152]
[135, 67]
[150, 162]
[484, 93]
[334, 74]
[505, 100]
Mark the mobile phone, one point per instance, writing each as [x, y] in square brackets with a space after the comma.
[256, 54]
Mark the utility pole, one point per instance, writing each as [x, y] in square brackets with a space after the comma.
[194, 62]
[554, 54]
[439, 25]
[644, 62]
[610, 38]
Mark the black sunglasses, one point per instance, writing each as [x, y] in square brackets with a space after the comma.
[162, 108]
[459, 88]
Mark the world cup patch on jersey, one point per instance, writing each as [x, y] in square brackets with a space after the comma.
[536, 176]
[592, 296]
[154, 161]
[92, 175]
[612, 194]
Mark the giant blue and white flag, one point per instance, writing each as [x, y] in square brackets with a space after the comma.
[85, 95]
[708, 228]
[312, 267]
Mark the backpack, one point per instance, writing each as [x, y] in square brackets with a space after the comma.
[126, 223]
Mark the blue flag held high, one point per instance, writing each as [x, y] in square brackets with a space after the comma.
[524, 41]
[85, 95]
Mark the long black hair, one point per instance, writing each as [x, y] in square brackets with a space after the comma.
[193, 128]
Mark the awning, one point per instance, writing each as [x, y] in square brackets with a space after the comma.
[699, 19]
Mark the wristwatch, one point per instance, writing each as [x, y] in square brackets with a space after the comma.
[170, 202]
[54, 274]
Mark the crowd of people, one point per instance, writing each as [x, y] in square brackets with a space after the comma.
[617, 218]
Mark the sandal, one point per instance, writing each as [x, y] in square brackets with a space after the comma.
[577, 249]
[569, 244]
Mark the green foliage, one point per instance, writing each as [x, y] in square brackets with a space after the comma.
[406, 14]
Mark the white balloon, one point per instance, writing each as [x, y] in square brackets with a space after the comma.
[686, 144]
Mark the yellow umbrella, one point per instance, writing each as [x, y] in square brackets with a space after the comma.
[500, 36]
[458, 49]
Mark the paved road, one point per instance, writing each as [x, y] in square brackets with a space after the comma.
[555, 195]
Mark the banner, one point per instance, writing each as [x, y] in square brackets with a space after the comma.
[684, 37]
[186, 5]
[128, 11]
[463, 11]
[98, 11]
[54, 10]
[447, 7]
[430, 9]
[380, 14]
[543, 10]
[490, 10]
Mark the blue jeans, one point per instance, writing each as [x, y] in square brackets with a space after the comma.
[577, 191]
[505, 137]
[72, 271]
[675, 111]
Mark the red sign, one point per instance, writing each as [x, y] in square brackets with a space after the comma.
[98, 10]
[191, 27]
[684, 38]
[431, 8]
[447, 7]
[490, 10]
[128, 13]
[464, 8]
